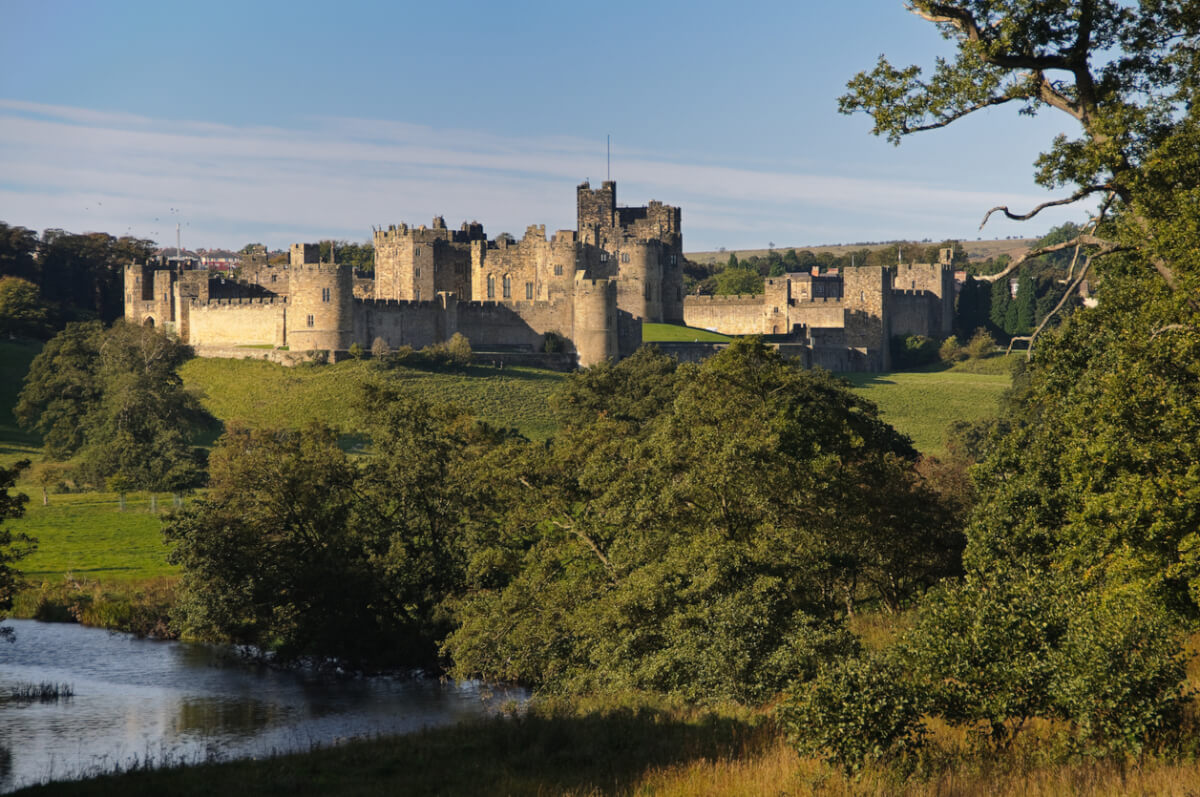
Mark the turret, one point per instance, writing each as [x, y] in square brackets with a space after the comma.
[595, 333]
[320, 312]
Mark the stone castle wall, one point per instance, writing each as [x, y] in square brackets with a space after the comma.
[730, 315]
[237, 322]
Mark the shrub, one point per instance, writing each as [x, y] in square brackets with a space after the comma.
[380, 349]
[459, 349]
[356, 350]
[857, 711]
[553, 343]
[981, 344]
[913, 351]
[951, 350]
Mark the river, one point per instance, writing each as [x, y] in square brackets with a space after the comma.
[138, 700]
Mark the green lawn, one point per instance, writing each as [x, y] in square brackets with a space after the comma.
[923, 403]
[677, 333]
[88, 536]
[263, 394]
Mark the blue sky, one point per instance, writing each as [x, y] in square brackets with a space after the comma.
[282, 122]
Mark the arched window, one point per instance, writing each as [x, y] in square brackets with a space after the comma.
[491, 286]
[507, 287]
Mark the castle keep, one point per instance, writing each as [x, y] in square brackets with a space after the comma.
[592, 287]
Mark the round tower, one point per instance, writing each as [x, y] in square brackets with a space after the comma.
[595, 333]
[320, 311]
[641, 280]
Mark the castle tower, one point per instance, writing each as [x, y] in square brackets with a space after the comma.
[320, 313]
[595, 210]
[595, 333]
[640, 284]
[865, 294]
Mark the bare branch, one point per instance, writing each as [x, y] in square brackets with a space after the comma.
[1168, 328]
[1075, 197]
[1061, 303]
[965, 22]
[943, 121]
[571, 527]
[1084, 240]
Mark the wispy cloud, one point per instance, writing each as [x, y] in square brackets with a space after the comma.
[83, 169]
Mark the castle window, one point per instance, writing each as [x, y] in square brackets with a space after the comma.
[310, 320]
[324, 294]
[558, 270]
[417, 272]
[529, 290]
[417, 251]
[604, 257]
[507, 287]
[272, 278]
[624, 257]
[417, 294]
[862, 296]
[674, 260]
[491, 288]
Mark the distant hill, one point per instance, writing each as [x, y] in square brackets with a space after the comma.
[976, 250]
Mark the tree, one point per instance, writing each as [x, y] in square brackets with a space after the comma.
[304, 553]
[1082, 563]
[700, 530]
[736, 280]
[18, 247]
[1126, 75]
[113, 399]
[13, 546]
[22, 311]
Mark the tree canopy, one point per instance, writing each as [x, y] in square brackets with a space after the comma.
[111, 398]
[1082, 576]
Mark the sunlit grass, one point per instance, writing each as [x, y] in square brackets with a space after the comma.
[678, 333]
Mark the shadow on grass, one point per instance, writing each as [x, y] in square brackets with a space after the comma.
[606, 752]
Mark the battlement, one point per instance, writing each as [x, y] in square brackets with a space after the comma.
[741, 298]
[321, 268]
[535, 232]
[241, 302]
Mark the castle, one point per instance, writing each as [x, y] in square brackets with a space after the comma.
[591, 287]
[840, 322]
[588, 289]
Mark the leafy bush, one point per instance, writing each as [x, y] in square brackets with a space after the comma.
[981, 344]
[913, 351]
[951, 350]
[380, 348]
[553, 343]
[856, 711]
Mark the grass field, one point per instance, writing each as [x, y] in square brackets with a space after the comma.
[677, 333]
[921, 404]
[262, 394]
[88, 536]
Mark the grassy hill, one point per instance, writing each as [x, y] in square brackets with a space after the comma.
[90, 536]
[261, 394]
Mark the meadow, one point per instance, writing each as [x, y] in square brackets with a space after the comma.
[89, 537]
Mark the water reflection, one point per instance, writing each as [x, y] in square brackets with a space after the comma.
[170, 702]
